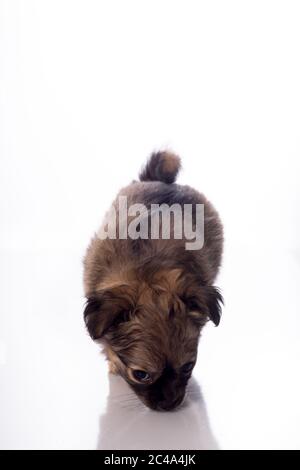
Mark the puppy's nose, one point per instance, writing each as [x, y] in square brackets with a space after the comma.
[167, 405]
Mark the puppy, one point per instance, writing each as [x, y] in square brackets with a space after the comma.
[148, 295]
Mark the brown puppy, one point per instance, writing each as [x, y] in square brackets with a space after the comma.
[148, 297]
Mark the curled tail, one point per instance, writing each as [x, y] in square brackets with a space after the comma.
[161, 166]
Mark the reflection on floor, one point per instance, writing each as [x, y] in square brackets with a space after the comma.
[128, 424]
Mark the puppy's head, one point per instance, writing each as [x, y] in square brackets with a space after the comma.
[150, 332]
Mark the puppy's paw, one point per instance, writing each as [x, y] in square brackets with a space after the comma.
[112, 368]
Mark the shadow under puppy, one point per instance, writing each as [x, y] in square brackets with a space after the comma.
[149, 298]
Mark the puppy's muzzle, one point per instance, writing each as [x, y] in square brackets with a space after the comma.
[168, 405]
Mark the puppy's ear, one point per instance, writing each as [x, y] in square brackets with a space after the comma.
[107, 308]
[214, 302]
[204, 302]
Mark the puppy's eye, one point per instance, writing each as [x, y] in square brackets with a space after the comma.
[187, 368]
[141, 375]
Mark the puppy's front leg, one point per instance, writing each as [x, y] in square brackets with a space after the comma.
[113, 361]
[112, 368]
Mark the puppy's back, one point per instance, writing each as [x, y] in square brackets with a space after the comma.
[156, 187]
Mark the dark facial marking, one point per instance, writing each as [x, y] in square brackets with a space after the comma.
[168, 391]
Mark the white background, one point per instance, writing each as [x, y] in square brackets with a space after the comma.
[88, 90]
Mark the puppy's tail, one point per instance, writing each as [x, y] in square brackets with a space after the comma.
[161, 166]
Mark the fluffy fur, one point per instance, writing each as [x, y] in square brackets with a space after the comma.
[147, 300]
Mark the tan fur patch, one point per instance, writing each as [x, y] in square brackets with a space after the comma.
[170, 161]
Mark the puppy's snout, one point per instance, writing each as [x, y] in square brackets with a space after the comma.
[169, 392]
[167, 405]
